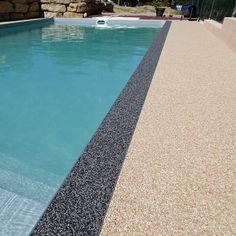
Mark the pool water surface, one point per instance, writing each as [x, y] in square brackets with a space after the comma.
[57, 83]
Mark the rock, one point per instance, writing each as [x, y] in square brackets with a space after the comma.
[62, 1]
[17, 16]
[109, 6]
[52, 14]
[30, 1]
[21, 8]
[47, 1]
[77, 7]
[19, 1]
[30, 15]
[91, 7]
[99, 7]
[83, 0]
[6, 7]
[95, 8]
[34, 7]
[26, 9]
[53, 7]
[89, 1]
[56, 1]
[73, 15]
[4, 17]
[72, 7]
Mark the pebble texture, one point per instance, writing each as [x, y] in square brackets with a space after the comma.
[179, 175]
[81, 203]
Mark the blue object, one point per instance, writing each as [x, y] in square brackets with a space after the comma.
[185, 8]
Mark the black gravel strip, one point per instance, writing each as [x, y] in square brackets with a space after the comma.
[80, 205]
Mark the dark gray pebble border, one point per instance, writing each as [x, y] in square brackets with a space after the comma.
[80, 205]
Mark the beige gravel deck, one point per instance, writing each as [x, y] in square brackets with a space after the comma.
[179, 176]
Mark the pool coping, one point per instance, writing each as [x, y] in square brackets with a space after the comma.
[80, 205]
[9, 24]
[113, 21]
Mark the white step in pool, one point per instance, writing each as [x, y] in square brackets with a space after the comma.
[22, 211]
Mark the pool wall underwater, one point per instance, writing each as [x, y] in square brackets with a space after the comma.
[79, 206]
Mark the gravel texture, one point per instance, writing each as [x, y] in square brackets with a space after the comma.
[179, 175]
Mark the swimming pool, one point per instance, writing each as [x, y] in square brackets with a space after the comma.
[57, 83]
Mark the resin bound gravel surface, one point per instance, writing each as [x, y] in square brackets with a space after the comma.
[179, 173]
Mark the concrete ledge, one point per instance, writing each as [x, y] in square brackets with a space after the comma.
[225, 31]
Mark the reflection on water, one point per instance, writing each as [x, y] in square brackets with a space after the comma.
[58, 33]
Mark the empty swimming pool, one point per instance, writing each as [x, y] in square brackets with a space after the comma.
[57, 83]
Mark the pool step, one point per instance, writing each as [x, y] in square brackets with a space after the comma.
[18, 214]
[25, 187]
[20, 178]
[7, 162]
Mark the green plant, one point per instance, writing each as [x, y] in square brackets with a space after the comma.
[158, 3]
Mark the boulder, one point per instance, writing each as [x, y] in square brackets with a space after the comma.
[30, 15]
[65, 2]
[6, 7]
[47, 1]
[95, 8]
[99, 7]
[62, 1]
[91, 7]
[19, 1]
[109, 6]
[34, 7]
[53, 7]
[83, 0]
[21, 8]
[30, 1]
[52, 14]
[17, 16]
[4, 17]
[77, 7]
[73, 15]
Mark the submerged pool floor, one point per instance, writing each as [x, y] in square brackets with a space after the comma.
[57, 83]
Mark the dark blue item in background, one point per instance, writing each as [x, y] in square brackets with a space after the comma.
[185, 8]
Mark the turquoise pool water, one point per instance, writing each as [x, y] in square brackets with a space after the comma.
[57, 83]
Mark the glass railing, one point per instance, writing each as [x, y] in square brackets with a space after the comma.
[217, 9]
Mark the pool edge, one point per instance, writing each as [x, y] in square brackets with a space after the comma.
[76, 212]
[9, 24]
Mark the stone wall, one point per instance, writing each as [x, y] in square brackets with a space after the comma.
[71, 8]
[26, 9]
[19, 9]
